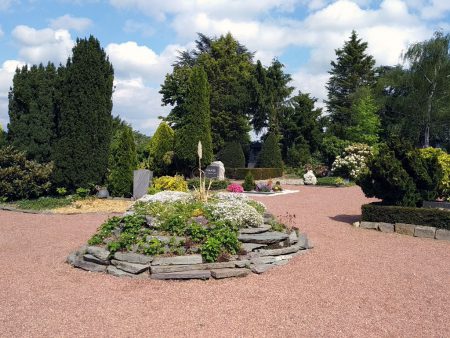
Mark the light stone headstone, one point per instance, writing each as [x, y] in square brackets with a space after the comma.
[141, 182]
[221, 170]
[309, 178]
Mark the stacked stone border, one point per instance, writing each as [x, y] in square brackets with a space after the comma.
[265, 249]
[407, 229]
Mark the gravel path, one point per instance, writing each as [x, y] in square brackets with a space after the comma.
[354, 283]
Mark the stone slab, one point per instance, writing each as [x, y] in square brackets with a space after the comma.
[194, 274]
[241, 264]
[93, 259]
[227, 273]
[130, 267]
[278, 252]
[98, 252]
[178, 260]
[112, 270]
[261, 268]
[443, 234]
[132, 257]
[424, 231]
[405, 229]
[386, 227]
[368, 225]
[269, 259]
[293, 237]
[257, 230]
[249, 247]
[264, 238]
[180, 268]
[89, 266]
[141, 182]
[304, 242]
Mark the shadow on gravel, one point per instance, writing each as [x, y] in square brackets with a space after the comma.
[349, 219]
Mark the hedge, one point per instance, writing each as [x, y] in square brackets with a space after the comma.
[215, 184]
[258, 173]
[375, 212]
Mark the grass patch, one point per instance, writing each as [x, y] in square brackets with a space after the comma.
[334, 182]
[43, 203]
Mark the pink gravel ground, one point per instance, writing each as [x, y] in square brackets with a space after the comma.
[354, 283]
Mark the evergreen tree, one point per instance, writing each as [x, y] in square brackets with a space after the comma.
[232, 155]
[270, 155]
[122, 162]
[2, 137]
[161, 150]
[32, 111]
[197, 123]
[352, 70]
[84, 121]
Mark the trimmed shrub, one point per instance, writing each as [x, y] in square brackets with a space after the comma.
[215, 184]
[270, 155]
[331, 181]
[232, 155]
[161, 150]
[171, 183]
[249, 182]
[375, 212]
[258, 173]
[352, 162]
[20, 178]
[444, 162]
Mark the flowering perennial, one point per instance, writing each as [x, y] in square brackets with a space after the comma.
[353, 161]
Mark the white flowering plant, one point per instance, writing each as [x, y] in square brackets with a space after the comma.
[353, 161]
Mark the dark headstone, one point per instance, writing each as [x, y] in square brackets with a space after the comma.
[212, 172]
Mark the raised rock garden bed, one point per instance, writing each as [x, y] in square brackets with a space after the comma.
[150, 241]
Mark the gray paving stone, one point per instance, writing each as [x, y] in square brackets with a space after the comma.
[368, 225]
[257, 230]
[405, 229]
[178, 260]
[132, 257]
[261, 268]
[130, 267]
[443, 234]
[112, 270]
[93, 259]
[424, 231]
[242, 263]
[386, 227]
[89, 266]
[263, 238]
[194, 274]
[227, 273]
[180, 268]
[98, 252]
[278, 252]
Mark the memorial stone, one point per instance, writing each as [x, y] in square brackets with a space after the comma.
[141, 182]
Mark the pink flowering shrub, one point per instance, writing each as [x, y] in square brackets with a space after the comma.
[234, 187]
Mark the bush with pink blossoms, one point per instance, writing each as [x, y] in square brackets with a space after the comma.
[234, 187]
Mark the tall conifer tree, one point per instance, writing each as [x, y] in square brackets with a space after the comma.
[84, 118]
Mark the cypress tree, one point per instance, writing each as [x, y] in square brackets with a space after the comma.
[161, 150]
[84, 118]
[232, 155]
[352, 69]
[197, 125]
[270, 155]
[32, 111]
[2, 137]
[122, 162]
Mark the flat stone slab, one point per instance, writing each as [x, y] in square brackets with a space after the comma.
[304, 242]
[249, 247]
[278, 252]
[242, 263]
[93, 259]
[194, 274]
[132, 257]
[257, 230]
[98, 252]
[293, 237]
[112, 270]
[405, 229]
[386, 227]
[424, 231]
[178, 260]
[261, 268]
[180, 268]
[264, 238]
[89, 266]
[369, 225]
[443, 234]
[133, 268]
[269, 259]
[227, 273]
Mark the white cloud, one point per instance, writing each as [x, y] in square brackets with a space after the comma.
[69, 22]
[7, 71]
[312, 83]
[6, 4]
[43, 45]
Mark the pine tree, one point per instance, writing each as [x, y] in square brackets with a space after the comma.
[270, 155]
[2, 137]
[122, 162]
[162, 150]
[32, 111]
[352, 70]
[84, 121]
[197, 125]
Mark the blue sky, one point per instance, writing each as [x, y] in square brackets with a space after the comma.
[142, 38]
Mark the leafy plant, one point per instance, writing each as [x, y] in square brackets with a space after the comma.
[61, 191]
[352, 162]
[170, 183]
[249, 182]
[82, 192]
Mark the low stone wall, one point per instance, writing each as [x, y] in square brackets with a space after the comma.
[407, 229]
[265, 250]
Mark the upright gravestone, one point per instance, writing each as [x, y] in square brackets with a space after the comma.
[141, 182]
[216, 170]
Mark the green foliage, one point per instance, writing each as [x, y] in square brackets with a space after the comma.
[162, 150]
[21, 178]
[260, 208]
[32, 109]
[213, 184]
[3, 141]
[270, 155]
[232, 155]
[43, 203]
[258, 173]
[332, 147]
[105, 230]
[249, 182]
[396, 214]
[352, 70]
[332, 181]
[196, 232]
[84, 118]
[353, 161]
[61, 191]
[444, 163]
[152, 247]
[122, 162]
[196, 123]
[222, 238]
[82, 192]
[171, 183]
